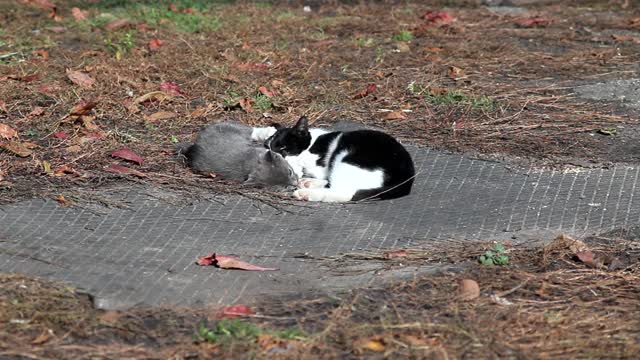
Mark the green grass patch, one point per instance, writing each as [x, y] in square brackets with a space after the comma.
[456, 97]
[403, 35]
[120, 43]
[262, 102]
[227, 331]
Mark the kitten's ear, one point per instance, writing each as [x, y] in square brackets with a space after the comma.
[276, 125]
[302, 125]
[268, 156]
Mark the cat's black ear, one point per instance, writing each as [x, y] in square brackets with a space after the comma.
[268, 156]
[302, 125]
[276, 125]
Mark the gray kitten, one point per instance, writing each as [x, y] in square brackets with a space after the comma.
[226, 149]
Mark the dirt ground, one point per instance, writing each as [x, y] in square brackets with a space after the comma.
[77, 85]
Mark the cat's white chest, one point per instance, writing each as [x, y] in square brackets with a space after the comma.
[305, 165]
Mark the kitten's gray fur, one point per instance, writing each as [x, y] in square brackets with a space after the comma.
[226, 149]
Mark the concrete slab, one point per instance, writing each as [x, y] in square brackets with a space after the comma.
[623, 92]
[145, 254]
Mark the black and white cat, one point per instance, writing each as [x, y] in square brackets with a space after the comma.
[340, 166]
[227, 149]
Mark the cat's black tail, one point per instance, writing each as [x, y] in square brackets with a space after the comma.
[385, 192]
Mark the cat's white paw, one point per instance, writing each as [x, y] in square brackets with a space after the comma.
[311, 183]
[262, 133]
[301, 194]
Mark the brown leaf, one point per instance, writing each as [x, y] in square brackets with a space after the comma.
[392, 254]
[533, 22]
[43, 338]
[623, 38]
[118, 24]
[87, 122]
[228, 262]
[57, 29]
[152, 96]
[37, 111]
[266, 92]
[110, 317]
[79, 15]
[233, 311]
[160, 115]
[375, 344]
[82, 108]
[155, 44]
[20, 149]
[66, 169]
[48, 88]
[198, 112]
[588, 258]
[455, 72]
[128, 155]
[468, 290]
[371, 88]
[62, 201]
[395, 115]
[80, 78]
[171, 88]
[7, 132]
[245, 104]
[3, 106]
[44, 54]
[119, 169]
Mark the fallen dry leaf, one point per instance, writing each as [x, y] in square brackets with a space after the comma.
[118, 24]
[623, 38]
[229, 262]
[392, 254]
[395, 115]
[20, 149]
[438, 17]
[79, 15]
[152, 96]
[533, 22]
[266, 92]
[375, 344]
[588, 258]
[119, 169]
[3, 106]
[63, 201]
[455, 72]
[155, 44]
[127, 154]
[43, 338]
[87, 122]
[171, 88]
[80, 78]
[66, 169]
[82, 108]
[468, 290]
[233, 311]
[371, 88]
[7, 132]
[160, 115]
[198, 112]
[110, 317]
[245, 104]
[44, 54]
[37, 111]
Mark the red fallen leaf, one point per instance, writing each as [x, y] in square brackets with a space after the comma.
[155, 44]
[80, 78]
[229, 262]
[119, 169]
[588, 258]
[60, 135]
[533, 22]
[79, 15]
[171, 88]
[94, 135]
[7, 132]
[57, 29]
[128, 155]
[37, 111]
[118, 24]
[233, 311]
[245, 104]
[49, 89]
[395, 254]
[82, 108]
[371, 88]
[437, 17]
[42, 53]
[266, 92]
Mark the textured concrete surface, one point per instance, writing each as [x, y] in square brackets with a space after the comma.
[624, 92]
[145, 254]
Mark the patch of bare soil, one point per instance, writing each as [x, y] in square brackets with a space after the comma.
[565, 299]
[81, 81]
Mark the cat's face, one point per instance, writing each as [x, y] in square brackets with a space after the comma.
[273, 170]
[290, 141]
